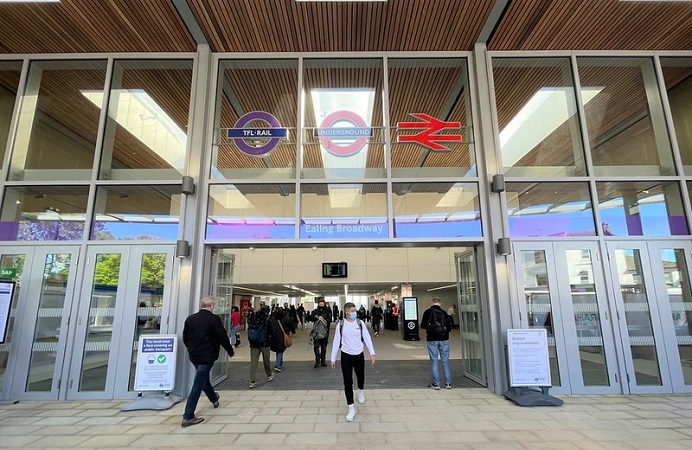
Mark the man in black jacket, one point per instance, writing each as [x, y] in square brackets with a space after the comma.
[320, 344]
[437, 325]
[203, 334]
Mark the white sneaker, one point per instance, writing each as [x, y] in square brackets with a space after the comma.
[351, 415]
[361, 396]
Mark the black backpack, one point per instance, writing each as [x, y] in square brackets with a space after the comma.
[257, 329]
[437, 322]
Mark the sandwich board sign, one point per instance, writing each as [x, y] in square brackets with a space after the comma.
[156, 362]
[529, 363]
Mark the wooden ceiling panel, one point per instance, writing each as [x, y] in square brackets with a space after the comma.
[77, 26]
[594, 25]
[290, 26]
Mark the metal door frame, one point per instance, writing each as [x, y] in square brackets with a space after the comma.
[215, 255]
[481, 314]
[119, 359]
[28, 319]
[654, 313]
[607, 324]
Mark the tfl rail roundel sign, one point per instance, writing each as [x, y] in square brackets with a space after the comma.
[272, 134]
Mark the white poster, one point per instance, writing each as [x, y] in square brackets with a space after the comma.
[529, 364]
[6, 294]
[156, 363]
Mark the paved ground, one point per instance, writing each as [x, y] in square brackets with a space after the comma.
[390, 419]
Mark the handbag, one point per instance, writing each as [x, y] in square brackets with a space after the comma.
[287, 338]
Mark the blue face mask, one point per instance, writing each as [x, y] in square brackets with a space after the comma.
[352, 315]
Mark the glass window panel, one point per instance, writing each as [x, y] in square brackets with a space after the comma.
[427, 210]
[58, 124]
[16, 262]
[549, 209]
[677, 73]
[448, 102]
[638, 317]
[679, 292]
[538, 300]
[587, 318]
[51, 307]
[146, 129]
[624, 117]
[269, 89]
[343, 211]
[537, 117]
[43, 213]
[641, 209]
[136, 212]
[10, 71]
[152, 277]
[251, 211]
[99, 329]
[343, 134]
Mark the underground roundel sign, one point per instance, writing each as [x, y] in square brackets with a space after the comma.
[343, 141]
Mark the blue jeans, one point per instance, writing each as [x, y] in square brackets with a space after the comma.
[441, 347]
[279, 364]
[200, 384]
[234, 334]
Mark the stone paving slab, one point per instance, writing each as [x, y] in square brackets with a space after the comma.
[390, 419]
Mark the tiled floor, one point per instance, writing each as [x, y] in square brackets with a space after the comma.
[390, 419]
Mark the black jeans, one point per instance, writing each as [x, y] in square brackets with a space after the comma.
[320, 348]
[349, 363]
[375, 325]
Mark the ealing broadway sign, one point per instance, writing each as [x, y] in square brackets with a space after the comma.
[332, 137]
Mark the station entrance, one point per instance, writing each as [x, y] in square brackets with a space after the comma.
[292, 277]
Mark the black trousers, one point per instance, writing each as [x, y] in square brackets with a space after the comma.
[375, 325]
[320, 348]
[349, 363]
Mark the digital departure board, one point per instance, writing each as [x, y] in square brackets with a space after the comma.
[335, 270]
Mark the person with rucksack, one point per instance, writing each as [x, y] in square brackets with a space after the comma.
[437, 325]
[282, 326]
[259, 335]
[376, 316]
[321, 318]
[349, 337]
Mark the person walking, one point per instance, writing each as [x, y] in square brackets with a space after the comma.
[451, 312]
[259, 335]
[349, 337]
[437, 325]
[203, 335]
[301, 316]
[282, 325]
[235, 326]
[376, 318]
[321, 318]
[293, 315]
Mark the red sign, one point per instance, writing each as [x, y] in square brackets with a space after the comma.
[428, 137]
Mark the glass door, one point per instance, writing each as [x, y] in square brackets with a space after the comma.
[470, 317]
[652, 282]
[125, 294]
[562, 288]
[14, 258]
[222, 291]
[45, 279]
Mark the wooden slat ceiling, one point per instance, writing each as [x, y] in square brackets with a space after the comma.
[594, 25]
[77, 26]
[290, 26]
